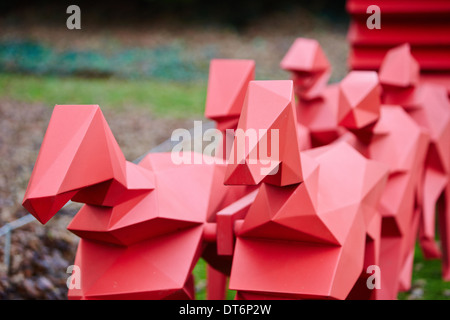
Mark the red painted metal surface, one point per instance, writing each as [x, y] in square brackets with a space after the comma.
[403, 7]
[358, 169]
[424, 25]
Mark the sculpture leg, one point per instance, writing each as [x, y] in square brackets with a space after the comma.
[217, 282]
[434, 185]
[390, 265]
[444, 226]
[406, 272]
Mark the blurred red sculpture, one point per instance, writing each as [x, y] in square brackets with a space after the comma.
[423, 24]
[227, 84]
[322, 183]
[428, 105]
[317, 101]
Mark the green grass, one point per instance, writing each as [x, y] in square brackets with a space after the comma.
[201, 283]
[165, 98]
[427, 276]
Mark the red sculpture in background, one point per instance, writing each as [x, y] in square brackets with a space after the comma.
[352, 174]
[428, 106]
[227, 85]
[421, 23]
[317, 101]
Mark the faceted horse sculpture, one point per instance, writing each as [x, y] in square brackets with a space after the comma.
[321, 182]
[144, 226]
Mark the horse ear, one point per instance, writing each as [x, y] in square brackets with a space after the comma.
[97, 159]
[78, 150]
[267, 122]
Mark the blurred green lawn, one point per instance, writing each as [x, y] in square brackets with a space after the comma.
[171, 99]
[427, 278]
[166, 99]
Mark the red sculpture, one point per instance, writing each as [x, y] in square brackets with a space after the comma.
[315, 192]
[307, 240]
[227, 85]
[421, 23]
[317, 102]
[309, 67]
[428, 105]
[268, 120]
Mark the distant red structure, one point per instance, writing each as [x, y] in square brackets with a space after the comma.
[423, 24]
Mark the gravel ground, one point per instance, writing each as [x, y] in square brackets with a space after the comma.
[41, 254]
